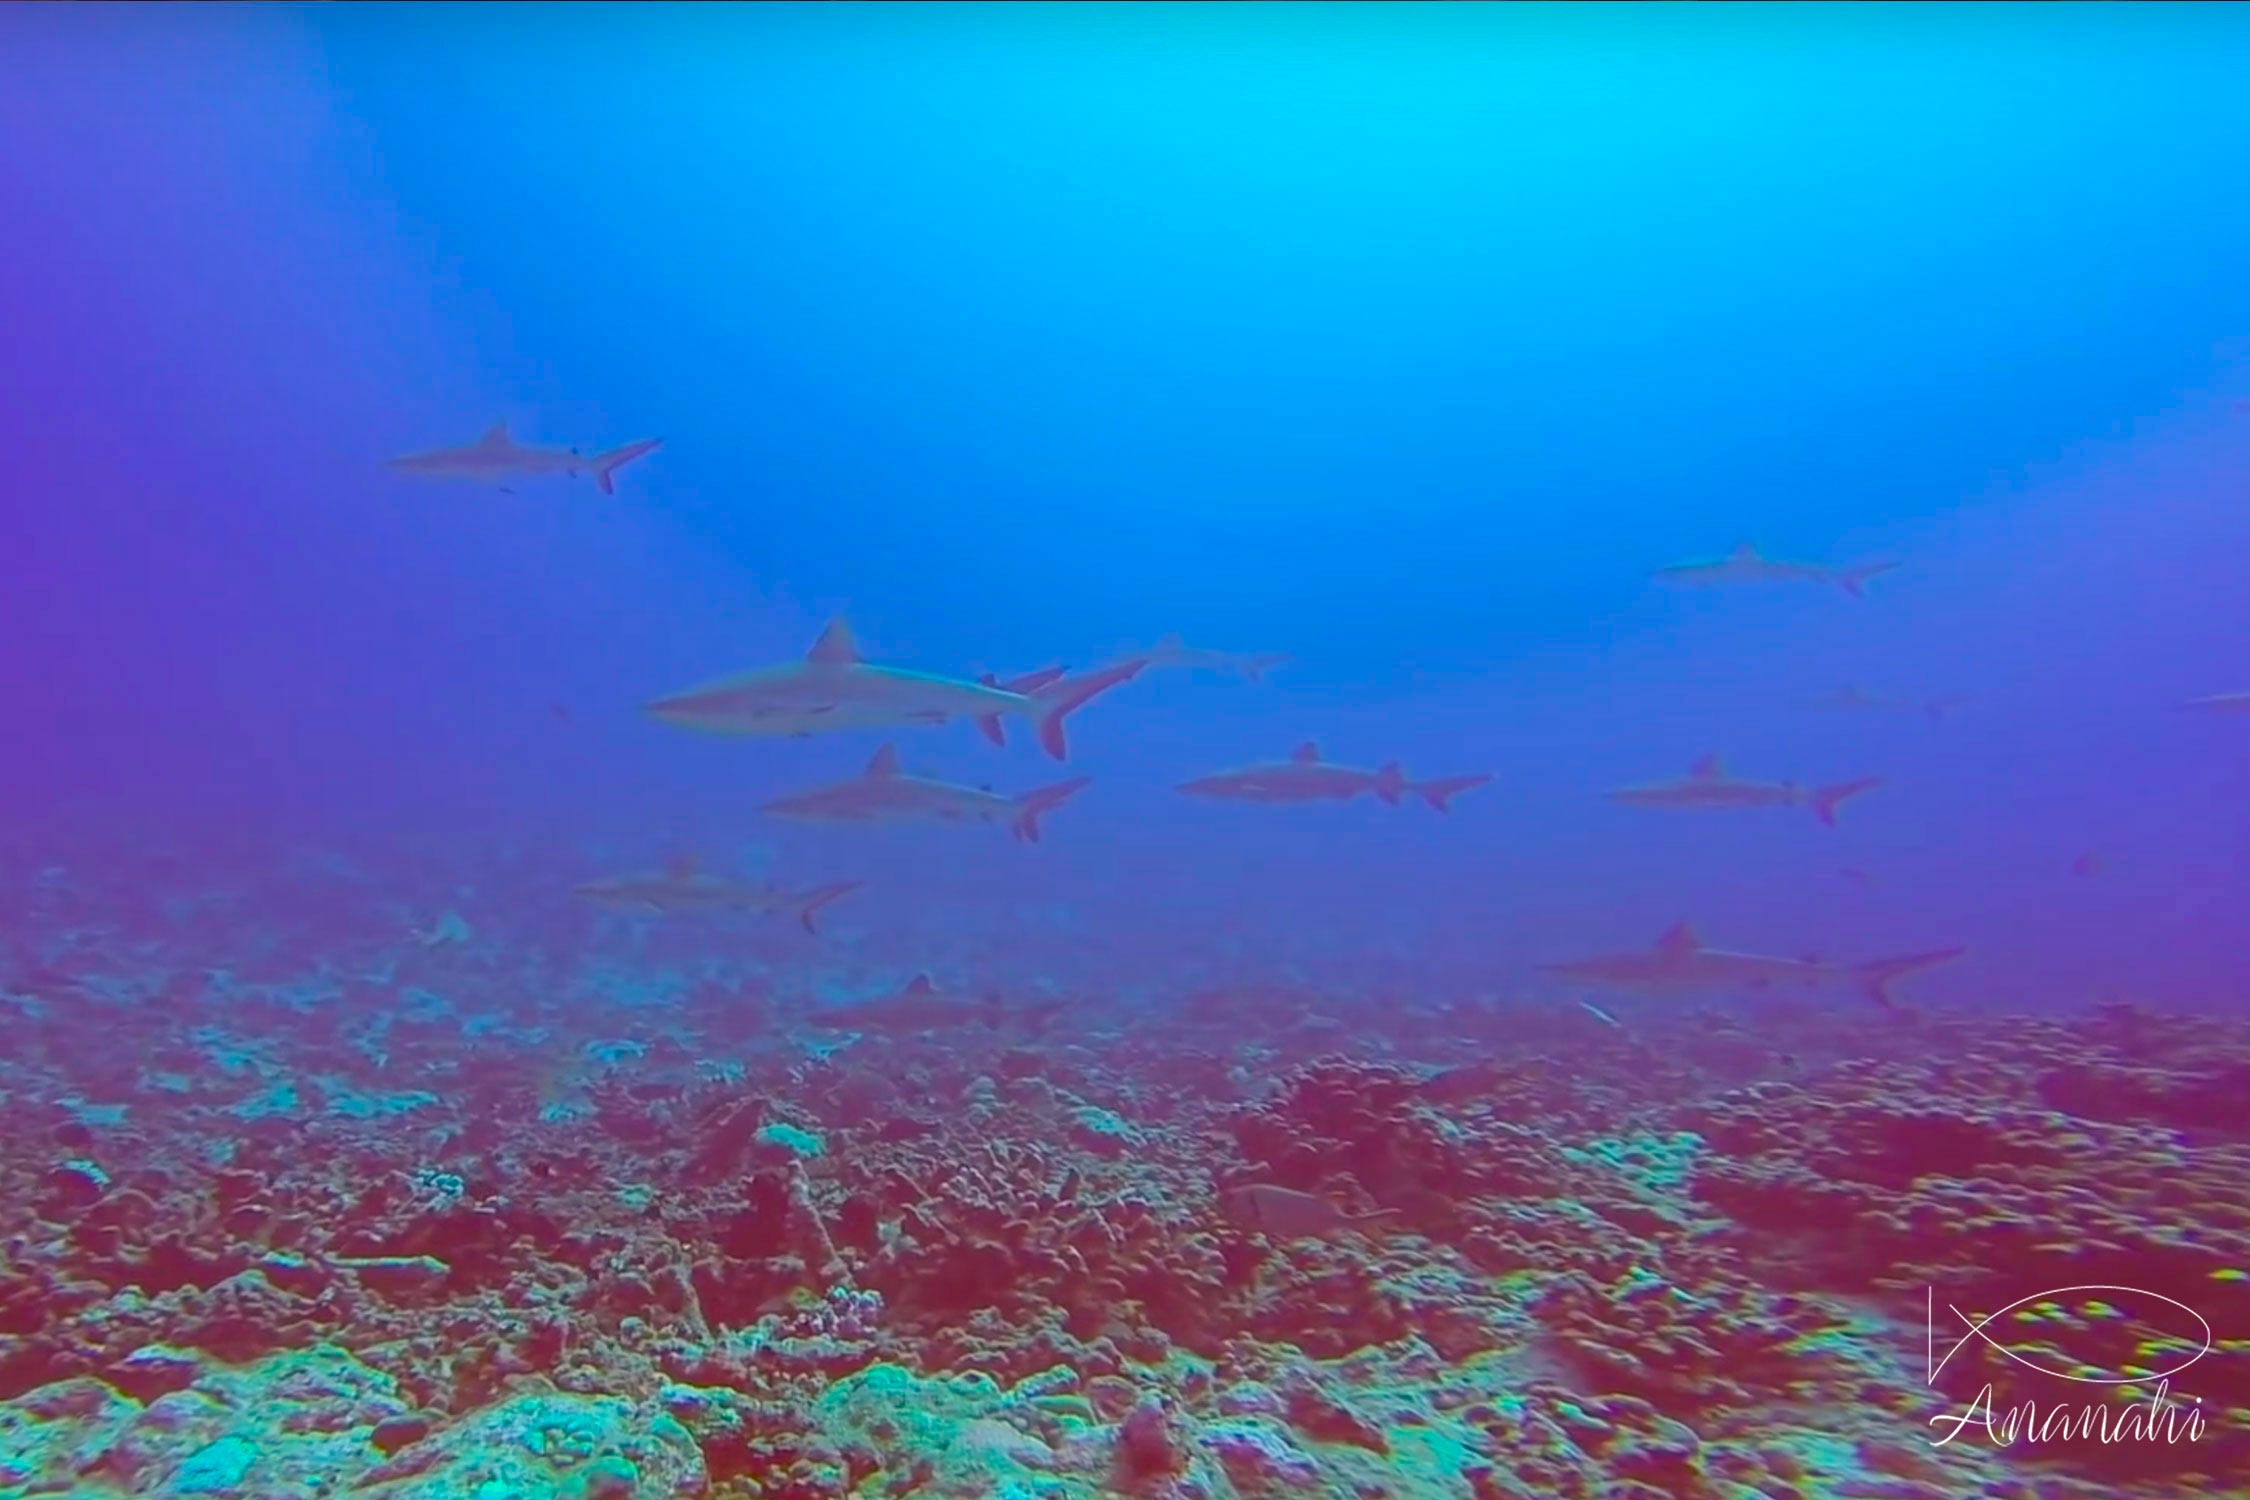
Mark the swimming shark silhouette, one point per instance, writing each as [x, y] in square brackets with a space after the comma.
[835, 688]
[1305, 777]
[496, 457]
[918, 1006]
[680, 887]
[1708, 785]
[1680, 961]
[885, 794]
[1173, 652]
[1745, 565]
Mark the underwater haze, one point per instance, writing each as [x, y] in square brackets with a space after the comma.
[1649, 600]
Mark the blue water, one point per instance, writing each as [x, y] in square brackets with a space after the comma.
[1408, 341]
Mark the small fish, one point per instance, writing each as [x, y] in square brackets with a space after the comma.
[1172, 652]
[1305, 777]
[885, 794]
[835, 688]
[1707, 784]
[2220, 703]
[496, 457]
[1679, 961]
[1745, 565]
[1285, 1214]
[681, 888]
[1855, 698]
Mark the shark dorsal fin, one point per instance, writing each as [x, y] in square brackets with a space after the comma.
[920, 984]
[680, 866]
[1306, 754]
[1709, 768]
[885, 762]
[1678, 941]
[835, 648]
[1744, 552]
[496, 436]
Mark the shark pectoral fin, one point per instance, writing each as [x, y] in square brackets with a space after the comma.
[1708, 768]
[1678, 940]
[1390, 783]
[1307, 754]
[496, 436]
[885, 762]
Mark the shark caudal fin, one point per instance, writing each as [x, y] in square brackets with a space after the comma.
[1875, 978]
[1441, 792]
[1853, 581]
[1390, 783]
[1031, 806]
[1826, 799]
[820, 896]
[604, 466]
[989, 725]
[1065, 695]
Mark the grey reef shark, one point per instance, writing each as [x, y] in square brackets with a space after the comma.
[1175, 654]
[1707, 785]
[1746, 565]
[1679, 962]
[885, 794]
[1305, 777]
[835, 688]
[920, 1006]
[496, 458]
[680, 887]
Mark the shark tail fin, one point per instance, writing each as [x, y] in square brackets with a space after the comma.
[1826, 799]
[1875, 978]
[820, 896]
[1853, 581]
[1031, 806]
[604, 466]
[989, 725]
[1441, 792]
[1061, 697]
[1390, 783]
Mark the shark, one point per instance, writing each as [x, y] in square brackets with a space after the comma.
[496, 457]
[1305, 777]
[1745, 564]
[1707, 784]
[835, 688]
[1679, 961]
[1174, 653]
[918, 1006]
[680, 887]
[2220, 703]
[885, 794]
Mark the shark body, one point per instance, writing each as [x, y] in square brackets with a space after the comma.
[834, 688]
[496, 458]
[1176, 654]
[1305, 777]
[885, 794]
[1680, 962]
[1853, 698]
[681, 888]
[2220, 703]
[1707, 785]
[919, 1006]
[1746, 565]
